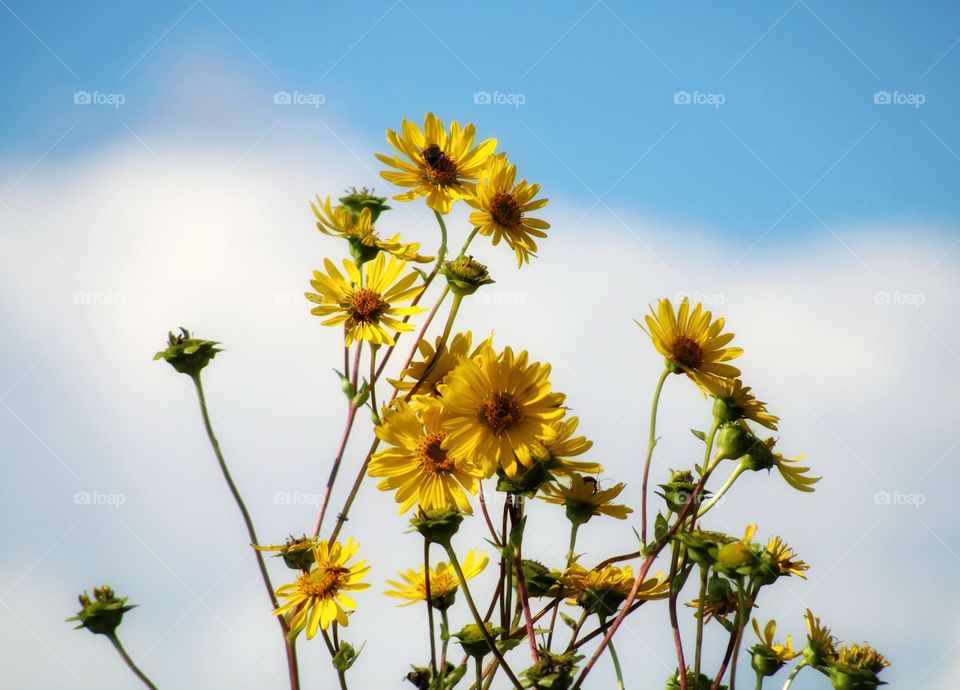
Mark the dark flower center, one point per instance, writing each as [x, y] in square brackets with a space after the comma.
[433, 458]
[505, 210]
[367, 305]
[501, 412]
[687, 352]
[323, 582]
[440, 167]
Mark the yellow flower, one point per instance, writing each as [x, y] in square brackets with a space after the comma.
[443, 581]
[782, 652]
[784, 558]
[420, 466]
[553, 450]
[861, 657]
[341, 222]
[498, 403]
[435, 164]
[603, 590]
[821, 644]
[692, 342]
[453, 353]
[320, 597]
[502, 206]
[794, 474]
[584, 499]
[367, 305]
[735, 401]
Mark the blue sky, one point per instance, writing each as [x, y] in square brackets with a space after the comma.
[598, 80]
[824, 225]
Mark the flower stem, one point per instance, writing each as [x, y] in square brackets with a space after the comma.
[651, 442]
[759, 681]
[251, 532]
[704, 574]
[442, 252]
[455, 562]
[793, 674]
[444, 641]
[479, 666]
[522, 591]
[723, 489]
[426, 585]
[616, 665]
[463, 250]
[129, 662]
[674, 622]
[451, 317]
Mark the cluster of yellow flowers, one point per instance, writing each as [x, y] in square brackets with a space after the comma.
[463, 413]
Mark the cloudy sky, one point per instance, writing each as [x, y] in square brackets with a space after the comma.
[793, 165]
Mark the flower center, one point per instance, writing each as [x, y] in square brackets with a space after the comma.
[505, 210]
[323, 582]
[501, 412]
[687, 352]
[433, 458]
[440, 167]
[367, 305]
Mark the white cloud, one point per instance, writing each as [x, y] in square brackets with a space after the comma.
[185, 234]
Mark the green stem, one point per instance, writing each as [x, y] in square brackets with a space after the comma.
[723, 489]
[759, 681]
[455, 562]
[651, 442]
[574, 528]
[426, 586]
[445, 639]
[479, 666]
[289, 645]
[793, 674]
[463, 250]
[442, 252]
[616, 665]
[451, 317]
[129, 662]
[704, 574]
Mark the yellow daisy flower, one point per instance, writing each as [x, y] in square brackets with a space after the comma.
[496, 403]
[794, 474]
[420, 466]
[602, 591]
[856, 657]
[692, 342]
[782, 652]
[584, 499]
[436, 164]
[821, 644]
[443, 581]
[554, 450]
[784, 558]
[455, 351]
[358, 230]
[502, 206]
[320, 597]
[365, 304]
[737, 402]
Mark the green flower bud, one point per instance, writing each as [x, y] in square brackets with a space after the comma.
[702, 546]
[473, 641]
[465, 276]
[358, 199]
[103, 614]
[552, 672]
[759, 457]
[764, 660]
[736, 558]
[437, 526]
[188, 355]
[345, 656]
[702, 683]
[525, 481]
[678, 492]
[360, 252]
[603, 602]
[539, 578]
[733, 441]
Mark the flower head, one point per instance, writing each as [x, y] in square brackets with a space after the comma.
[496, 403]
[356, 226]
[419, 464]
[102, 614]
[465, 275]
[503, 205]
[444, 582]
[821, 644]
[187, 354]
[692, 342]
[778, 559]
[553, 451]
[795, 475]
[738, 557]
[583, 498]
[602, 590]
[296, 552]
[856, 667]
[319, 597]
[768, 656]
[366, 305]
[436, 164]
[455, 351]
[733, 401]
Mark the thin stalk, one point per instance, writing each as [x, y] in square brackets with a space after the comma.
[463, 250]
[455, 562]
[674, 622]
[454, 308]
[341, 676]
[444, 640]
[574, 527]
[289, 646]
[522, 595]
[723, 489]
[651, 442]
[478, 664]
[373, 383]
[793, 674]
[426, 585]
[616, 665]
[759, 681]
[129, 662]
[704, 574]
